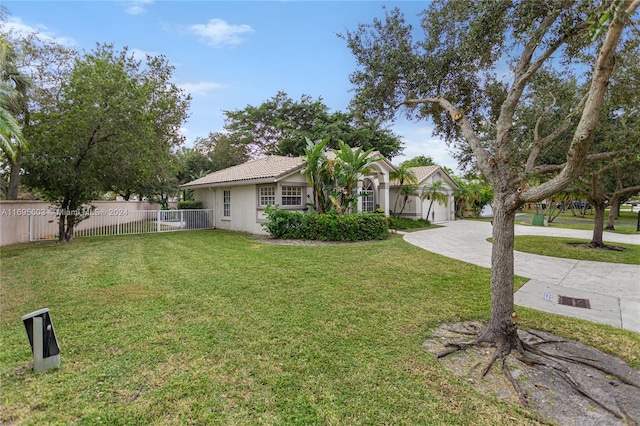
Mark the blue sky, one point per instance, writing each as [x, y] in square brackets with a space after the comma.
[232, 54]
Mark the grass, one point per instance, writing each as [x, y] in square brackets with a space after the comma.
[562, 247]
[586, 222]
[212, 327]
[410, 225]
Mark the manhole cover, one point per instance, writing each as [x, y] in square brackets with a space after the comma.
[572, 301]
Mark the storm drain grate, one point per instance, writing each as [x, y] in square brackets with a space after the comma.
[572, 301]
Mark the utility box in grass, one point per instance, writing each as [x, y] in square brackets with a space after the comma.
[538, 219]
[42, 337]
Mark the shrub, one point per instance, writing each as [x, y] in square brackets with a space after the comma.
[282, 223]
[405, 223]
[190, 204]
[325, 226]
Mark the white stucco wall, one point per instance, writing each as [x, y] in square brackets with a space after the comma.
[418, 209]
[246, 216]
[243, 210]
[205, 195]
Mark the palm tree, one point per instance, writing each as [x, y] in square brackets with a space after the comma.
[461, 196]
[10, 132]
[481, 194]
[314, 160]
[334, 180]
[13, 103]
[13, 88]
[435, 192]
[350, 165]
[406, 178]
[406, 191]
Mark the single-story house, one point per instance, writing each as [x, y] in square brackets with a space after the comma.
[417, 208]
[239, 195]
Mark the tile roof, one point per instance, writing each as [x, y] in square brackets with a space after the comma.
[272, 167]
[422, 173]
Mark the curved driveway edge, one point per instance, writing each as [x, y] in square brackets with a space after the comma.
[613, 290]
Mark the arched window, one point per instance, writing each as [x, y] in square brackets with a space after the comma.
[368, 196]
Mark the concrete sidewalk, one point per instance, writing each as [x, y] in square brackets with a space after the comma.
[613, 290]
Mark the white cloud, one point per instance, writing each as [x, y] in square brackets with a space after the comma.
[418, 140]
[141, 55]
[137, 7]
[201, 88]
[217, 32]
[17, 26]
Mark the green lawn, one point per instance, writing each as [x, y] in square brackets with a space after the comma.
[563, 247]
[212, 327]
[586, 222]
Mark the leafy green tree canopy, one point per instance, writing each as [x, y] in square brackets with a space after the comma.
[420, 160]
[223, 150]
[112, 128]
[280, 125]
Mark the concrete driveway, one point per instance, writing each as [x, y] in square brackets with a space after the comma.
[612, 290]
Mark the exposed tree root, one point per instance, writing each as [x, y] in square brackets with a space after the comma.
[543, 340]
[493, 359]
[524, 400]
[548, 362]
[454, 347]
[576, 386]
[627, 417]
[598, 246]
[463, 332]
[584, 361]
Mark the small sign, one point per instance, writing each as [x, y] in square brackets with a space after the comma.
[548, 296]
[42, 337]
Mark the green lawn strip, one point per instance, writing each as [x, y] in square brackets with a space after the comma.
[563, 247]
[212, 327]
[585, 222]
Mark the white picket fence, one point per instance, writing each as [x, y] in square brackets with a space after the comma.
[122, 222]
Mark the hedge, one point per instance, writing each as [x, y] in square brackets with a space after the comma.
[190, 204]
[326, 227]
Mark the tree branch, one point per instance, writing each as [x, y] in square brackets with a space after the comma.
[523, 73]
[585, 130]
[627, 191]
[539, 143]
[465, 125]
[553, 168]
[536, 129]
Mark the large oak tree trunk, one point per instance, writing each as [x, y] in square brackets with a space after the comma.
[502, 329]
[598, 225]
[614, 213]
[598, 200]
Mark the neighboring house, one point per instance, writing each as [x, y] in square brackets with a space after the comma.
[239, 195]
[417, 208]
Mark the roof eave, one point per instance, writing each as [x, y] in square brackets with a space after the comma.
[228, 183]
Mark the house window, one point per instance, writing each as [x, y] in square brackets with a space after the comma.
[226, 203]
[267, 196]
[368, 198]
[291, 196]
